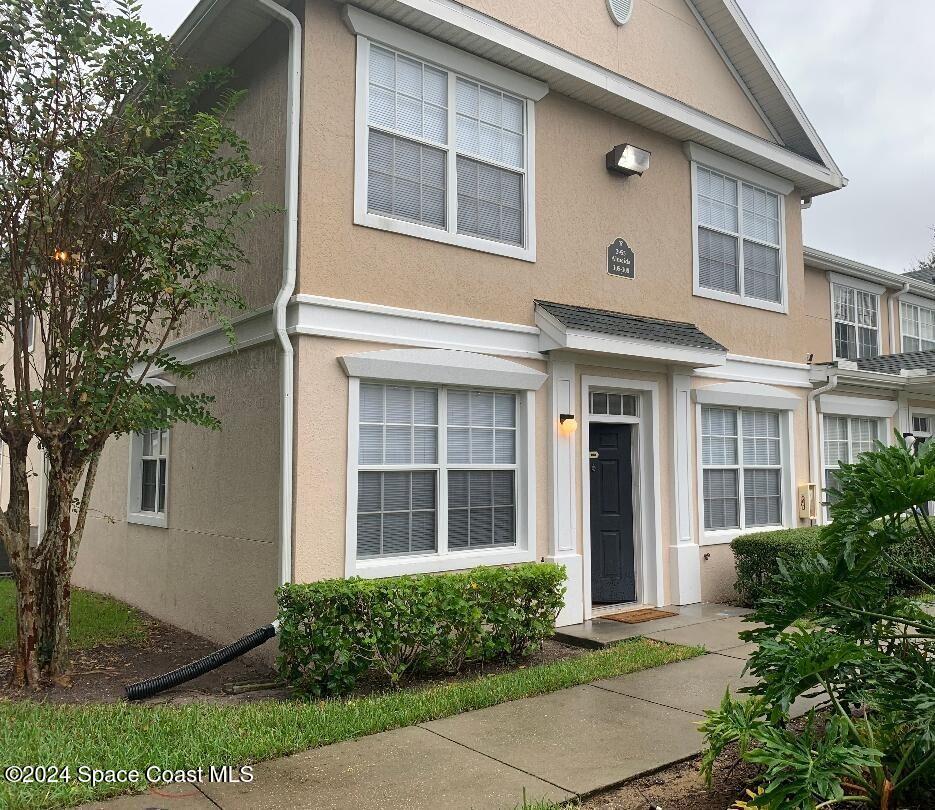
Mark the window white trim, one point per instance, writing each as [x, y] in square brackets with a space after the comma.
[456, 63]
[748, 395]
[443, 367]
[442, 559]
[857, 286]
[741, 175]
[837, 405]
[910, 310]
[737, 169]
[787, 456]
[134, 484]
[884, 432]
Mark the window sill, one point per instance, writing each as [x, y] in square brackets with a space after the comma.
[435, 563]
[383, 223]
[719, 538]
[147, 519]
[740, 300]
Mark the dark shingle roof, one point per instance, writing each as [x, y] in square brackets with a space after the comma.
[894, 363]
[605, 322]
[928, 276]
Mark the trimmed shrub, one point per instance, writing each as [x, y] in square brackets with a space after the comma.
[334, 631]
[756, 560]
[756, 557]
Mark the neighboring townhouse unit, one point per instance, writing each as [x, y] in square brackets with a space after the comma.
[476, 340]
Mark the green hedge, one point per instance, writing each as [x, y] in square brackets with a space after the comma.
[334, 631]
[756, 556]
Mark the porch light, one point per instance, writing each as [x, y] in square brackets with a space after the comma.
[567, 423]
[627, 160]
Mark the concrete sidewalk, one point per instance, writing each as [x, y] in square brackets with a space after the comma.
[555, 746]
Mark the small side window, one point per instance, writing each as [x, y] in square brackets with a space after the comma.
[149, 476]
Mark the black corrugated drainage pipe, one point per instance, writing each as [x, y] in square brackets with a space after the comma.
[153, 686]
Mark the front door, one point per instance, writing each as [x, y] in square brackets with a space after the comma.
[613, 574]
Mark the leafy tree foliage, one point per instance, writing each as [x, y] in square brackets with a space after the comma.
[834, 629]
[123, 193]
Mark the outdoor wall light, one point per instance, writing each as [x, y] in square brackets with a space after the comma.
[568, 423]
[627, 160]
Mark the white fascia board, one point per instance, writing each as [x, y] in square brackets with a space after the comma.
[381, 30]
[748, 395]
[743, 368]
[378, 323]
[602, 88]
[442, 367]
[737, 168]
[554, 335]
[857, 406]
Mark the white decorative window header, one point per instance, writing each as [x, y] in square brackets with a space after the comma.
[749, 395]
[443, 367]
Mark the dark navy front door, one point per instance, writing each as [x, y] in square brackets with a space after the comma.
[613, 575]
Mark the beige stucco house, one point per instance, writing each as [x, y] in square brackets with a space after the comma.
[476, 340]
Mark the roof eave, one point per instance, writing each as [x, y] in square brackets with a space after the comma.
[821, 260]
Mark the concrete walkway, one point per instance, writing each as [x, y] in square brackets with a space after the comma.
[556, 746]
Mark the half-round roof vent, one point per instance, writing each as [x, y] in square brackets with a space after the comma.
[620, 10]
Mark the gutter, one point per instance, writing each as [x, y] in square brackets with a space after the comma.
[894, 315]
[290, 250]
[814, 457]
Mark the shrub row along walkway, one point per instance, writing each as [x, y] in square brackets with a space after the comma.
[555, 746]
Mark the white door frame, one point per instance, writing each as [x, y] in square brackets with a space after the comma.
[647, 481]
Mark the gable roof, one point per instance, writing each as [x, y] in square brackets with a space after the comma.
[216, 31]
[638, 327]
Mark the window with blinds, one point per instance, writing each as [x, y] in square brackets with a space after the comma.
[431, 132]
[741, 459]
[856, 323]
[149, 477]
[918, 328]
[844, 439]
[431, 485]
[739, 237]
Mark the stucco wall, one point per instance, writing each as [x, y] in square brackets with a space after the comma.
[580, 209]
[662, 46]
[213, 570]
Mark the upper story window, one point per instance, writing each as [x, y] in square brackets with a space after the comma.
[442, 155]
[856, 322]
[739, 253]
[918, 327]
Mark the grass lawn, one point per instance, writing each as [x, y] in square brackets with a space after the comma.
[95, 619]
[132, 736]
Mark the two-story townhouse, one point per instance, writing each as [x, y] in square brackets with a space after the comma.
[873, 333]
[479, 334]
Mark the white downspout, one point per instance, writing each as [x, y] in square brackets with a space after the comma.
[814, 448]
[290, 250]
[894, 317]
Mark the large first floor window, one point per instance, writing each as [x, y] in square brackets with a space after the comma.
[845, 438]
[741, 459]
[149, 462]
[436, 470]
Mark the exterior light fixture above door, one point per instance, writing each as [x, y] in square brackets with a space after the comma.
[627, 160]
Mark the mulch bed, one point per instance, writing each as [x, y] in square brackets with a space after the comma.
[99, 674]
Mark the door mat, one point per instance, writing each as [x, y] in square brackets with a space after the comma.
[637, 616]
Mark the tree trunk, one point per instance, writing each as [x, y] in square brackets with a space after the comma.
[43, 574]
[15, 533]
[55, 567]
